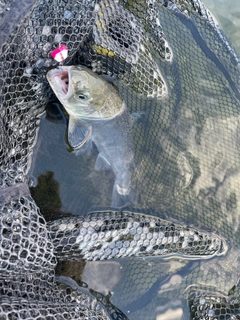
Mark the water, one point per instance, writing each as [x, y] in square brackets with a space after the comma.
[75, 188]
[53, 151]
[227, 14]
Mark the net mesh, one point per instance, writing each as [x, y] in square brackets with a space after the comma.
[106, 235]
[159, 54]
[209, 305]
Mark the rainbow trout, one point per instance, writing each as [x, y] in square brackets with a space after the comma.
[98, 115]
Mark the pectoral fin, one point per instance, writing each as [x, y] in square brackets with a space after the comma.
[102, 163]
[78, 133]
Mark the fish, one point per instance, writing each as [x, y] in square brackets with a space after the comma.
[97, 114]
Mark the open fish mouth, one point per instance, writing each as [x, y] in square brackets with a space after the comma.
[59, 80]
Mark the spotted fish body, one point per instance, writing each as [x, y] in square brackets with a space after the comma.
[97, 114]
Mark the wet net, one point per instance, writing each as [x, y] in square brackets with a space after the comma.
[174, 67]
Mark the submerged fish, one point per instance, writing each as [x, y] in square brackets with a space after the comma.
[97, 114]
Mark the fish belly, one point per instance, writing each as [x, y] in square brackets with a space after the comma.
[113, 139]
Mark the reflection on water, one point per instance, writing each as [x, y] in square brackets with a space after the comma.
[227, 14]
[173, 314]
[46, 194]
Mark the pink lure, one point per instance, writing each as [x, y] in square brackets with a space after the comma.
[60, 54]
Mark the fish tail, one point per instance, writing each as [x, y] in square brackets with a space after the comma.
[122, 199]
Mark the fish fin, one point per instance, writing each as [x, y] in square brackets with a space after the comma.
[123, 200]
[78, 133]
[102, 163]
[86, 148]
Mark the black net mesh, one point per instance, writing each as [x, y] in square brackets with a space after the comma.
[169, 61]
[106, 235]
[212, 306]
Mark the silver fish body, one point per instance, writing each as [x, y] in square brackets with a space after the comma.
[114, 143]
[97, 115]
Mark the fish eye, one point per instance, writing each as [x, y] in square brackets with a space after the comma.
[79, 95]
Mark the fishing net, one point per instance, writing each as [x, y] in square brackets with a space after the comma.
[209, 305]
[28, 286]
[170, 62]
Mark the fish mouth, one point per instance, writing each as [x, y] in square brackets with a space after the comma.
[59, 80]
